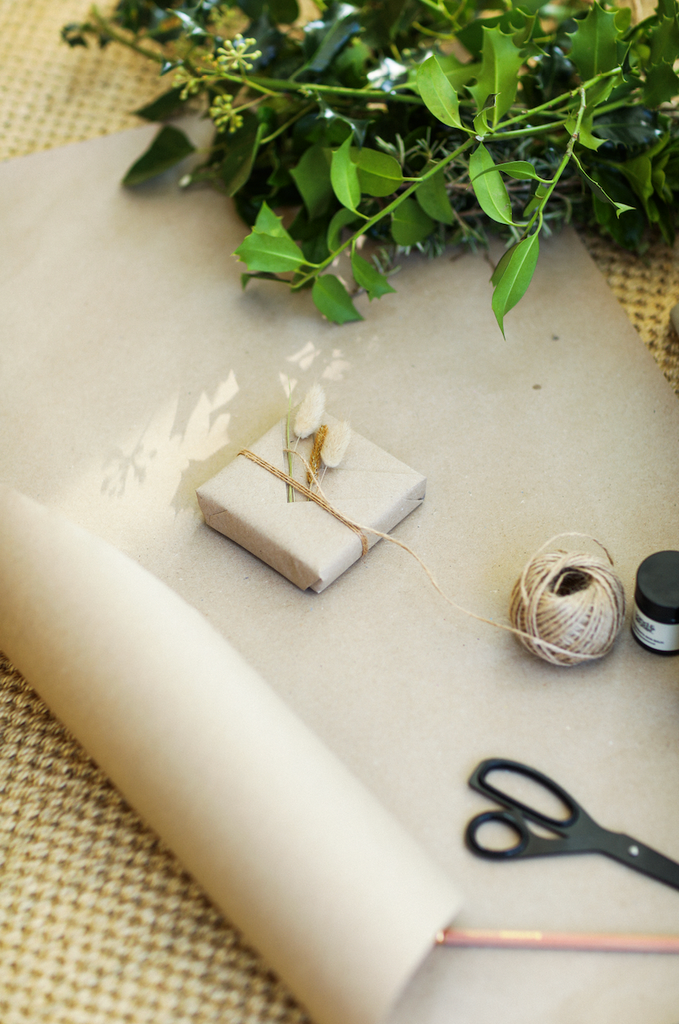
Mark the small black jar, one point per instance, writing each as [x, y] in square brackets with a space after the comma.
[655, 617]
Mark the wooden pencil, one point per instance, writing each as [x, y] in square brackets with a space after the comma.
[576, 941]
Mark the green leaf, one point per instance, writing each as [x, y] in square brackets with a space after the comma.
[244, 278]
[241, 152]
[481, 126]
[521, 170]
[661, 85]
[341, 220]
[594, 43]
[598, 190]
[628, 126]
[162, 107]
[312, 178]
[273, 253]
[367, 276]
[585, 137]
[639, 173]
[344, 26]
[512, 276]
[284, 12]
[410, 224]
[536, 202]
[333, 300]
[433, 198]
[169, 147]
[489, 188]
[344, 176]
[378, 173]
[629, 228]
[268, 223]
[665, 41]
[499, 74]
[438, 94]
[458, 74]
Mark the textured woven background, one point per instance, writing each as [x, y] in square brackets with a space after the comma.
[98, 923]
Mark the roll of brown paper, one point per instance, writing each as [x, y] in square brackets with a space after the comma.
[289, 845]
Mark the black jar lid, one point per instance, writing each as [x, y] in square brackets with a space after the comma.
[657, 591]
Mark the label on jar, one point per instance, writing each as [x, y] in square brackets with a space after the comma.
[660, 636]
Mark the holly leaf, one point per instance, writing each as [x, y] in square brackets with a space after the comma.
[499, 73]
[665, 41]
[598, 189]
[273, 253]
[628, 126]
[585, 136]
[333, 300]
[344, 176]
[512, 276]
[639, 173]
[489, 187]
[367, 276]
[269, 223]
[438, 94]
[410, 224]
[169, 147]
[594, 44]
[379, 174]
[661, 85]
[312, 178]
[433, 198]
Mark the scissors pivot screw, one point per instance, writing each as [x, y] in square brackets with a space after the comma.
[633, 851]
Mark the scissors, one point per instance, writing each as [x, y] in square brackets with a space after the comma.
[576, 833]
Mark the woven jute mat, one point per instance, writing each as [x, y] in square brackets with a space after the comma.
[98, 922]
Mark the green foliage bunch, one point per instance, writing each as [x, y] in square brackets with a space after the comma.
[416, 123]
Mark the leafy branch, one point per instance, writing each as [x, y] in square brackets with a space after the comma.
[371, 124]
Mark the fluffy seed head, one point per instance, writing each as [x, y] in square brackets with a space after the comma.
[335, 444]
[310, 411]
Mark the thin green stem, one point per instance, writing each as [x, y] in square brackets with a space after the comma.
[562, 166]
[296, 117]
[338, 90]
[528, 130]
[384, 213]
[564, 98]
[105, 26]
[445, 36]
[439, 9]
[245, 106]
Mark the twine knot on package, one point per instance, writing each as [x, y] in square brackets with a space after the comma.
[568, 607]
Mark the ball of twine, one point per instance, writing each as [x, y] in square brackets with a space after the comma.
[568, 607]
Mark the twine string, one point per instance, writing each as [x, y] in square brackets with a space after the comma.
[533, 641]
[319, 498]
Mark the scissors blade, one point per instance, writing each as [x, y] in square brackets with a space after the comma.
[641, 858]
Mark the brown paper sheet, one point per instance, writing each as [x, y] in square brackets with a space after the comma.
[288, 843]
[300, 539]
[135, 368]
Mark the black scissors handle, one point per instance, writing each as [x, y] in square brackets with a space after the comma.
[574, 833]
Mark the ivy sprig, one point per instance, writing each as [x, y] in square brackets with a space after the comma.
[414, 124]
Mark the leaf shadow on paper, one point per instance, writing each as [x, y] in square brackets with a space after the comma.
[183, 443]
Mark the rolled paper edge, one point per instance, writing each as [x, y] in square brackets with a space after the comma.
[320, 878]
